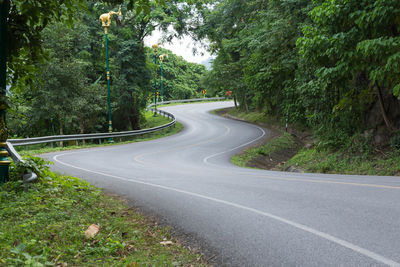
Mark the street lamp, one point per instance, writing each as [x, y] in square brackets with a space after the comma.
[105, 23]
[4, 162]
[155, 49]
[161, 57]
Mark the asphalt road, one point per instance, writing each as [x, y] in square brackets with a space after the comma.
[248, 217]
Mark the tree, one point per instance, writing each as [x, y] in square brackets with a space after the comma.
[354, 46]
[181, 78]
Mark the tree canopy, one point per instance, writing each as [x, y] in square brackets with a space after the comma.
[61, 89]
[330, 65]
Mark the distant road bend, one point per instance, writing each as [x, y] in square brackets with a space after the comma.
[247, 217]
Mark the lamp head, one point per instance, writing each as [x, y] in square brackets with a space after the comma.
[162, 57]
[155, 48]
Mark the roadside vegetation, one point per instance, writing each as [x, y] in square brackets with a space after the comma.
[300, 152]
[274, 145]
[187, 103]
[61, 87]
[327, 66]
[342, 162]
[45, 223]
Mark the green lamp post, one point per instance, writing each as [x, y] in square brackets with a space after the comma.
[4, 162]
[105, 23]
[161, 65]
[155, 49]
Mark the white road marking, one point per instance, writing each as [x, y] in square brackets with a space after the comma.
[137, 158]
[341, 242]
[205, 160]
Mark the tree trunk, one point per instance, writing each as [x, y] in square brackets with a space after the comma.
[61, 131]
[245, 104]
[134, 114]
[382, 106]
[82, 129]
[234, 101]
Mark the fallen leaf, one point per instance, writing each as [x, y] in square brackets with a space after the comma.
[166, 243]
[92, 230]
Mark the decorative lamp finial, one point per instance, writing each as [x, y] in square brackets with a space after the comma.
[161, 57]
[106, 18]
[155, 48]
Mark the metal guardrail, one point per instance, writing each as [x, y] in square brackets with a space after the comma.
[58, 138]
[71, 137]
[27, 177]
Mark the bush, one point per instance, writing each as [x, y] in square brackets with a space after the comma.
[30, 164]
[395, 141]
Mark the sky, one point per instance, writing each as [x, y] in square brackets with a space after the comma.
[182, 47]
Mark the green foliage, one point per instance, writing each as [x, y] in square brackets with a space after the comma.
[69, 84]
[43, 224]
[353, 46]
[274, 145]
[395, 142]
[330, 65]
[26, 21]
[30, 164]
[181, 79]
[340, 162]
[64, 97]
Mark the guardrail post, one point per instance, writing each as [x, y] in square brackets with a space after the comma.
[51, 144]
[76, 142]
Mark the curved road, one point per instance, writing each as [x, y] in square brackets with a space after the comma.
[247, 217]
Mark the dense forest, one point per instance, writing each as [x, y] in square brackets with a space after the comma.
[64, 90]
[332, 66]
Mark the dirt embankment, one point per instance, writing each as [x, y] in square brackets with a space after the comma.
[275, 159]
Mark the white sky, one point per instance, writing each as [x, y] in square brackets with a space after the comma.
[182, 47]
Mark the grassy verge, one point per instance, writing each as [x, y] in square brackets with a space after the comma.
[43, 224]
[254, 117]
[187, 103]
[312, 159]
[273, 146]
[150, 122]
[339, 162]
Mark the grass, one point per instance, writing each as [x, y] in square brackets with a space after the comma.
[253, 117]
[274, 145]
[339, 162]
[43, 224]
[150, 122]
[313, 159]
[187, 103]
